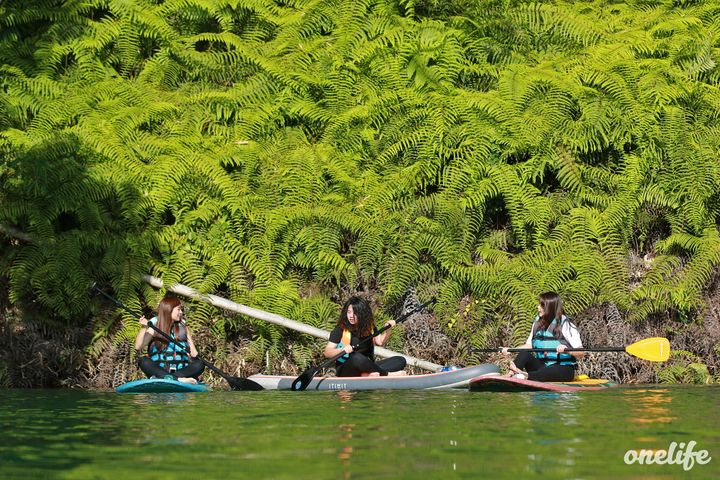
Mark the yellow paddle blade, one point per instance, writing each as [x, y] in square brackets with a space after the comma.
[655, 349]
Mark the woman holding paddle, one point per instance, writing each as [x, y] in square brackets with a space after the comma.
[550, 330]
[356, 322]
[168, 357]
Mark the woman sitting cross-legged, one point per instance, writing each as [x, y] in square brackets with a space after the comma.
[166, 358]
[356, 322]
[550, 330]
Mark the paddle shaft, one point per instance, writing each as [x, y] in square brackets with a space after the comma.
[516, 350]
[163, 334]
[654, 349]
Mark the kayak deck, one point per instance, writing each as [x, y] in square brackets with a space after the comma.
[453, 379]
[510, 384]
[160, 385]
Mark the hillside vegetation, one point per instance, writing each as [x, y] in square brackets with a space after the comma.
[287, 153]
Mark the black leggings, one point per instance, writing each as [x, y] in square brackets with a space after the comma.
[357, 364]
[537, 369]
[152, 369]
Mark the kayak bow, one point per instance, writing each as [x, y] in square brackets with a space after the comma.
[160, 385]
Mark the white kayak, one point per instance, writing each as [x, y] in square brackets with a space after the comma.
[459, 378]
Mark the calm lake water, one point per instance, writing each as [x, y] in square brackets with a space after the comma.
[68, 434]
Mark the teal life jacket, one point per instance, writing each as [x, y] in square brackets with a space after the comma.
[172, 357]
[547, 339]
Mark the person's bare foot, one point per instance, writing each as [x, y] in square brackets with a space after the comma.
[514, 370]
[189, 380]
[374, 374]
[399, 373]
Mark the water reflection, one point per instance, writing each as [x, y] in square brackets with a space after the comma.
[346, 450]
[407, 430]
[345, 398]
[144, 399]
[346, 434]
[552, 421]
[454, 442]
[649, 406]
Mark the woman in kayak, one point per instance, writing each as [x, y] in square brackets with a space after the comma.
[356, 322]
[168, 358]
[548, 332]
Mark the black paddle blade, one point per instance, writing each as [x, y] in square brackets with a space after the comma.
[302, 382]
[237, 383]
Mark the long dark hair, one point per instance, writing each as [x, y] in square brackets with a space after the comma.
[553, 308]
[165, 321]
[363, 313]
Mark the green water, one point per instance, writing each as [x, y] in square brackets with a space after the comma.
[68, 434]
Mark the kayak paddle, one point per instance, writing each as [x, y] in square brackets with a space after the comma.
[236, 383]
[304, 379]
[654, 349]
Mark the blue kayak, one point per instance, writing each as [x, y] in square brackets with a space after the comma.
[160, 385]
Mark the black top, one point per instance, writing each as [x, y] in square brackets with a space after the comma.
[367, 348]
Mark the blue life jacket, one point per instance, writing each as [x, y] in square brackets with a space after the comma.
[172, 357]
[547, 339]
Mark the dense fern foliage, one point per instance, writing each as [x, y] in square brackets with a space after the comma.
[278, 152]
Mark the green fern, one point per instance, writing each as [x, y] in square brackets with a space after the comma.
[265, 149]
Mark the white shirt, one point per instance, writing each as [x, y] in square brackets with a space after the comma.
[568, 330]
